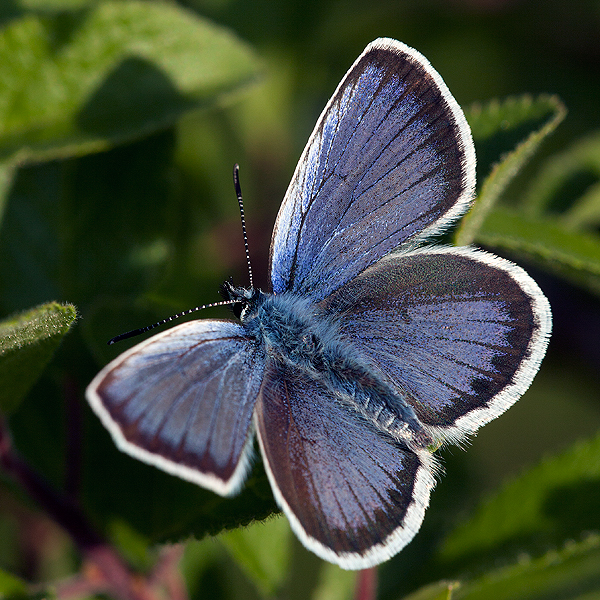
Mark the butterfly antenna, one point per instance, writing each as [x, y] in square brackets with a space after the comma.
[238, 193]
[134, 332]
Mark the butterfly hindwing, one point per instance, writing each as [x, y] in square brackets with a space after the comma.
[354, 495]
[391, 160]
[183, 401]
[459, 332]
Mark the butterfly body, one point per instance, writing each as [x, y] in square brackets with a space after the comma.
[370, 347]
[293, 331]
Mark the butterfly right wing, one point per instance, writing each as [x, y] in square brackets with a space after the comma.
[183, 401]
[458, 332]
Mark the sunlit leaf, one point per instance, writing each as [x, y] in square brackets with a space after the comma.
[201, 567]
[27, 341]
[568, 185]
[11, 586]
[443, 590]
[79, 82]
[334, 583]
[571, 573]
[557, 500]
[546, 242]
[133, 546]
[263, 551]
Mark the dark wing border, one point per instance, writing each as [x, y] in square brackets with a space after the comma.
[523, 377]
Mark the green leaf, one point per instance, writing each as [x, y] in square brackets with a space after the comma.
[11, 586]
[545, 241]
[101, 246]
[132, 546]
[559, 212]
[512, 115]
[7, 171]
[516, 114]
[262, 551]
[568, 185]
[554, 501]
[334, 583]
[572, 573]
[279, 566]
[173, 509]
[54, 5]
[60, 215]
[27, 341]
[442, 590]
[202, 566]
[81, 82]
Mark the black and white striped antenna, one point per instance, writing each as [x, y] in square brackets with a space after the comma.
[185, 313]
[238, 193]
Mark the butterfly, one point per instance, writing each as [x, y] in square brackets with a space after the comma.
[370, 349]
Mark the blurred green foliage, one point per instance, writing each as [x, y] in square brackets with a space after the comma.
[119, 124]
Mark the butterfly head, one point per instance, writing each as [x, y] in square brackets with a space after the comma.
[242, 298]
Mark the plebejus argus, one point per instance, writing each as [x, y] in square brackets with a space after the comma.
[369, 350]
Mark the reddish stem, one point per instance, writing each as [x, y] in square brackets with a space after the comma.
[366, 584]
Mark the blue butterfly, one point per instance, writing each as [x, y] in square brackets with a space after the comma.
[370, 349]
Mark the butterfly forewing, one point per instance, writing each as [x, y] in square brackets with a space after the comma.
[391, 159]
[183, 401]
[459, 332]
[354, 495]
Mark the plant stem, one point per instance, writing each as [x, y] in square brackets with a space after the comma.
[366, 584]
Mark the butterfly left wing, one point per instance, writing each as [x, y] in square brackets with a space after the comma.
[183, 401]
[390, 161]
[460, 333]
[354, 495]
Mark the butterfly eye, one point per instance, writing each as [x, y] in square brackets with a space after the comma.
[309, 343]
